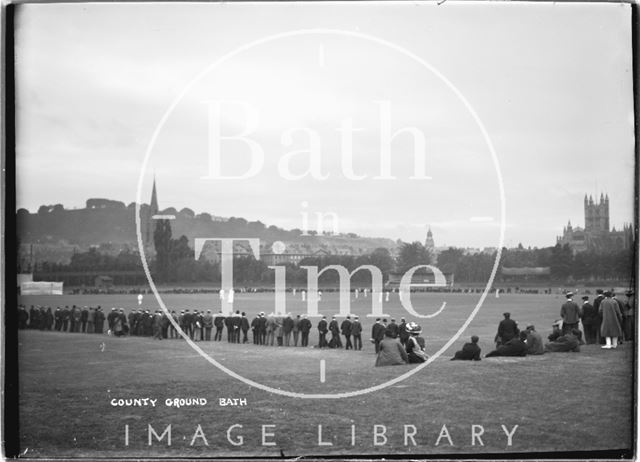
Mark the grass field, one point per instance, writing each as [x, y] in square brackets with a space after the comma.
[559, 402]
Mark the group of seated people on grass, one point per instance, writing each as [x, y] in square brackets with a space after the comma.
[510, 341]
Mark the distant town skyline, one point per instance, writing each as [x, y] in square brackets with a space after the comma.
[94, 83]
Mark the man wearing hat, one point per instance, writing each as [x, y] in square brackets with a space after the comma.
[570, 314]
[356, 331]
[334, 328]
[507, 329]
[377, 334]
[589, 321]
[596, 306]
[322, 332]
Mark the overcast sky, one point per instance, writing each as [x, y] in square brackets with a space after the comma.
[550, 83]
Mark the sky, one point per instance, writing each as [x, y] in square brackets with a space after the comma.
[526, 106]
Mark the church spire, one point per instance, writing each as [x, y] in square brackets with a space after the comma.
[154, 199]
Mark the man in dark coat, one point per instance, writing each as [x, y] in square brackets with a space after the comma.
[345, 328]
[335, 334]
[111, 317]
[244, 326]
[99, 320]
[262, 329]
[255, 329]
[507, 330]
[513, 347]
[207, 323]
[570, 314]
[598, 323]
[287, 328]
[305, 328]
[66, 316]
[228, 323]
[296, 329]
[377, 334]
[322, 332]
[76, 314]
[237, 323]
[589, 321]
[470, 351]
[219, 322]
[356, 331]
[84, 317]
[57, 316]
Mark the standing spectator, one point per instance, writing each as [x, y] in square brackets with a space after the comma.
[345, 328]
[196, 321]
[173, 332]
[296, 330]
[228, 323]
[262, 329]
[356, 331]
[132, 322]
[84, 317]
[164, 325]
[76, 316]
[57, 316]
[305, 328]
[66, 316]
[596, 306]
[377, 334]
[335, 334]
[237, 324]
[91, 321]
[255, 329]
[99, 320]
[244, 326]
[589, 321]
[287, 328]
[207, 321]
[111, 318]
[156, 325]
[322, 332]
[48, 319]
[611, 321]
[278, 329]
[570, 314]
[218, 321]
[270, 330]
[507, 330]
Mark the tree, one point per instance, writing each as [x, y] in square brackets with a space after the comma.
[413, 254]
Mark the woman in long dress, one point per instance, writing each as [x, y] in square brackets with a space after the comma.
[611, 327]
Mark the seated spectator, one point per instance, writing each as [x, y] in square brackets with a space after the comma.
[415, 344]
[564, 343]
[470, 351]
[514, 347]
[534, 341]
[391, 352]
[557, 330]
